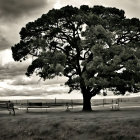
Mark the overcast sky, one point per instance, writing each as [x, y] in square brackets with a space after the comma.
[14, 14]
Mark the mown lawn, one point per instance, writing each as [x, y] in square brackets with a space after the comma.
[95, 125]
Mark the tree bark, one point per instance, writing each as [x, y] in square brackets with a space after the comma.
[86, 103]
[86, 96]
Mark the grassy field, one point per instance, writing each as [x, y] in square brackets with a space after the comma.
[100, 124]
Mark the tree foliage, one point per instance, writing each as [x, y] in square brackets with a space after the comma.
[95, 47]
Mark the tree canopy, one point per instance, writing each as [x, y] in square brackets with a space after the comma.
[95, 47]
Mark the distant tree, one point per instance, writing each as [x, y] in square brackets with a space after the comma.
[96, 48]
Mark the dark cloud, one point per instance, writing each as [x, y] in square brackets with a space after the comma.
[4, 43]
[15, 71]
[11, 70]
[23, 92]
[16, 8]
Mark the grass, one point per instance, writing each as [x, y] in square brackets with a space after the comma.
[100, 124]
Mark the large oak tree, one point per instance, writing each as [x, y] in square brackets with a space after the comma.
[96, 48]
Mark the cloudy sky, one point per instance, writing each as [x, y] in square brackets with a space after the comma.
[14, 14]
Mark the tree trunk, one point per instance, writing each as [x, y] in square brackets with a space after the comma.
[86, 103]
[86, 96]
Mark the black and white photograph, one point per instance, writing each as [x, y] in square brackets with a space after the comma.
[69, 69]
